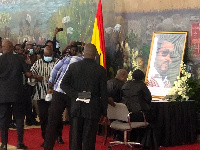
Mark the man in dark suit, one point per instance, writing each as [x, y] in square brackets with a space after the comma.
[12, 68]
[114, 86]
[86, 76]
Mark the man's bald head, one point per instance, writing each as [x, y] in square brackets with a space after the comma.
[48, 51]
[122, 75]
[7, 46]
[90, 51]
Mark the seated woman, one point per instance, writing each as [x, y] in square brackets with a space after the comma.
[137, 97]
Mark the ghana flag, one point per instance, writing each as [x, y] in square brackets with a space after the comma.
[98, 35]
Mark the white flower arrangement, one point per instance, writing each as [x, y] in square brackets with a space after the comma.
[66, 19]
[126, 53]
[117, 28]
[133, 54]
[135, 64]
[183, 88]
[70, 30]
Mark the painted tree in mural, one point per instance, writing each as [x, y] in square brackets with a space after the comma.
[138, 54]
[4, 18]
[133, 40]
[77, 20]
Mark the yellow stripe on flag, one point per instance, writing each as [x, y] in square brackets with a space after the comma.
[95, 41]
[98, 35]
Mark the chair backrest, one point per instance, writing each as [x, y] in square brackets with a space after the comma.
[119, 112]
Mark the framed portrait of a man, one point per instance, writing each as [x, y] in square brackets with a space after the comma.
[166, 54]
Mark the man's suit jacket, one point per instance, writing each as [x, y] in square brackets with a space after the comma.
[86, 75]
[12, 68]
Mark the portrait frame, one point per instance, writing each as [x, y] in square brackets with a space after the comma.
[166, 53]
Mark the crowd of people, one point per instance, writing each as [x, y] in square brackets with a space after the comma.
[56, 81]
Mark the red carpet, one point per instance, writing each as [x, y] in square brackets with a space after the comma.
[33, 139]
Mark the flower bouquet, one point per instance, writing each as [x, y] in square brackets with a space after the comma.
[184, 88]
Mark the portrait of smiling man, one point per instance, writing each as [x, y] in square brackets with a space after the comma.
[162, 61]
[164, 64]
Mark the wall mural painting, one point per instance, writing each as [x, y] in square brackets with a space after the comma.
[36, 20]
[136, 35]
[128, 28]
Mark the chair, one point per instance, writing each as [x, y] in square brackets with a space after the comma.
[121, 122]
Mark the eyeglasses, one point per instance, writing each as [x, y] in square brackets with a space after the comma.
[165, 52]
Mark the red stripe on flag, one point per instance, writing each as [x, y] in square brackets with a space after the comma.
[99, 17]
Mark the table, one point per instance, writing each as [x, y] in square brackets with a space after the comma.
[175, 123]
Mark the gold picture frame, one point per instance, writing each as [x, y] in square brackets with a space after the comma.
[166, 54]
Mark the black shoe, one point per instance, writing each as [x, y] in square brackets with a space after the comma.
[22, 146]
[65, 122]
[12, 125]
[42, 145]
[118, 137]
[36, 123]
[60, 140]
[3, 147]
[29, 124]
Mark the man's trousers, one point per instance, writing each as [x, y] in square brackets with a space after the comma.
[58, 104]
[19, 112]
